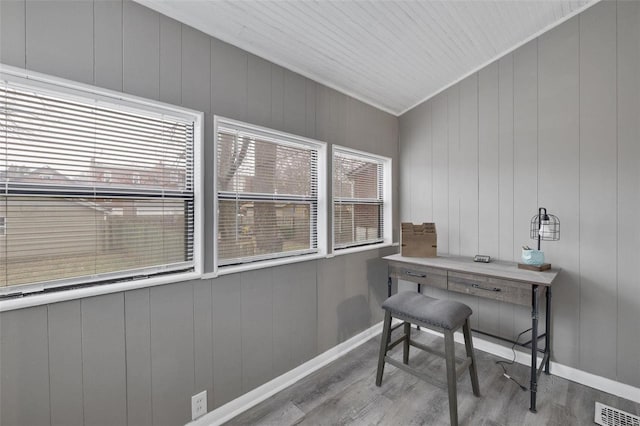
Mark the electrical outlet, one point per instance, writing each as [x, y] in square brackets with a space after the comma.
[199, 405]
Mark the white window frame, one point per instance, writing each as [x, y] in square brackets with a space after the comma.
[75, 91]
[321, 224]
[387, 201]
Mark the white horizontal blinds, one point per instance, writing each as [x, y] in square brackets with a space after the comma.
[92, 192]
[267, 197]
[357, 199]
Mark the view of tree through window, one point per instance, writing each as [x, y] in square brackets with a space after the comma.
[267, 197]
[358, 200]
[91, 191]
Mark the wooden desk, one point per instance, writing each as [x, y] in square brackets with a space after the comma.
[498, 280]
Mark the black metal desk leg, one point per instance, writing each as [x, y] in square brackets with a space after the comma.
[534, 347]
[547, 330]
[389, 286]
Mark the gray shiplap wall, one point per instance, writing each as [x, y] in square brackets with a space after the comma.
[556, 123]
[137, 357]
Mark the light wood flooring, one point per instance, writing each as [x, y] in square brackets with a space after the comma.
[344, 393]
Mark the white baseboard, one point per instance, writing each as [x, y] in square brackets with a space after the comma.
[242, 403]
[597, 382]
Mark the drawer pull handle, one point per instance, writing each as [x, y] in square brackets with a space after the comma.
[415, 274]
[479, 287]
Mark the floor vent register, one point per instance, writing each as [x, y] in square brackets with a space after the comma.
[609, 416]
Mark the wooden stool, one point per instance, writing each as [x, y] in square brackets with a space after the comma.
[445, 316]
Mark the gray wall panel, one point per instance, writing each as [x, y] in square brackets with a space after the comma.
[506, 225]
[408, 143]
[422, 168]
[453, 114]
[203, 338]
[103, 360]
[12, 32]
[170, 68]
[331, 292]
[141, 50]
[331, 110]
[227, 339]
[305, 313]
[257, 328]
[505, 155]
[561, 116]
[525, 148]
[323, 113]
[468, 166]
[489, 318]
[65, 49]
[440, 169]
[310, 110]
[525, 141]
[558, 175]
[228, 80]
[277, 97]
[598, 184]
[295, 102]
[107, 44]
[363, 130]
[65, 363]
[284, 303]
[506, 244]
[354, 312]
[628, 363]
[488, 161]
[294, 316]
[348, 299]
[259, 91]
[172, 352]
[24, 367]
[137, 307]
[196, 71]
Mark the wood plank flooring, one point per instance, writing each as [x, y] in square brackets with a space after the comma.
[344, 393]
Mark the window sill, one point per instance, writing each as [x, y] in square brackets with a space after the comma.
[226, 270]
[362, 248]
[97, 290]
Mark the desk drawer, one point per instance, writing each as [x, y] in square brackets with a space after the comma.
[491, 288]
[423, 275]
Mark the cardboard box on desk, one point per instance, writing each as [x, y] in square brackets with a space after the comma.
[419, 240]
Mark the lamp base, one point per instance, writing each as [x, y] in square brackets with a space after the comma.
[543, 267]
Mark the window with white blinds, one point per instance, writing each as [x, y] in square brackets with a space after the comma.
[94, 190]
[360, 193]
[267, 194]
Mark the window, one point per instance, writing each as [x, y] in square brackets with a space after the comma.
[99, 187]
[269, 194]
[3, 225]
[361, 198]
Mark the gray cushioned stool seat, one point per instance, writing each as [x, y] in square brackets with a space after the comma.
[444, 316]
[427, 311]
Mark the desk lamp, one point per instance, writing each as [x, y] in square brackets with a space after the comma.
[545, 227]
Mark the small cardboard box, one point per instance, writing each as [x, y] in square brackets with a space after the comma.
[419, 240]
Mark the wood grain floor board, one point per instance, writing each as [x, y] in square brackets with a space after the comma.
[344, 393]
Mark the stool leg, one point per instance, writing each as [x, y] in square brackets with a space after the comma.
[473, 370]
[384, 344]
[450, 355]
[407, 341]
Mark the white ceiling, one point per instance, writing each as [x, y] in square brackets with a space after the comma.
[390, 54]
